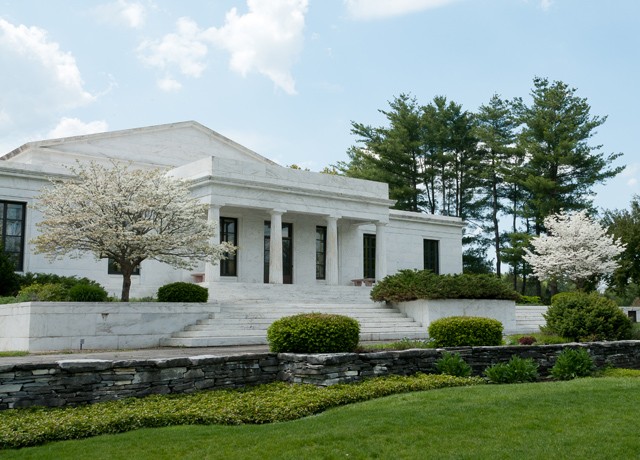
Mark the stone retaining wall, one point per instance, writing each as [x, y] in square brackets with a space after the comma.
[73, 382]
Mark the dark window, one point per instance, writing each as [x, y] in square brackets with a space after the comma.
[12, 221]
[431, 256]
[369, 261]
[321, 252]
[229, 234]
[114, 269]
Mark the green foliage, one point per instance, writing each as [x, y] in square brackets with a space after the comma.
[49, 292]
[459, 331]
[453, 364]
[9, 280]
[314, 333]
[424, 284]
[624, 225]
[276, 402]
[530, 300]
[182, 292]
[572, 363]
[68, 282]
[517, 370]
[403, 344]
[586, 317]
[87, 293]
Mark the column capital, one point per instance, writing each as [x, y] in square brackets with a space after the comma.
[277, 212]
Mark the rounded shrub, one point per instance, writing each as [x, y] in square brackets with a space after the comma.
[572, 363]
[314, 333]
[182, 292]
[582, 316]
[87, 293]
[461, 331]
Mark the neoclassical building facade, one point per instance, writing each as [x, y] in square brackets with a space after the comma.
[290, 226]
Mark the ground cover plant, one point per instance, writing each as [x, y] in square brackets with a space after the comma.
[541, 338]
[516, 370]
[572, 363]
[275, 402]
[424, 284]
[403, 344]
[582, 418]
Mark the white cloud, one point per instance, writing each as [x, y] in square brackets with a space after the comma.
[379, 9]
[74, 127]
[632, 182]
[42, 59]
[168, 84]
[267, 39]
[546, 4]
[131, 14]
[185, 49]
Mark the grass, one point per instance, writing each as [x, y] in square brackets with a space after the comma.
[584, 418]
[404, 344]
[541, 338]
[9, 354]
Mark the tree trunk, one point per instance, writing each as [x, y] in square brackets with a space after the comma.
[126, 284]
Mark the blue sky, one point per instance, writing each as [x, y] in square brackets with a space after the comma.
[286, 77]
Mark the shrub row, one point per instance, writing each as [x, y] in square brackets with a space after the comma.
[277, 402]
[424, 284]
[460, 331]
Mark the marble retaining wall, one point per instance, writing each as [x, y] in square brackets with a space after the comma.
[72, 382]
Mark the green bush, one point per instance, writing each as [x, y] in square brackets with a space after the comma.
[182, 292]
[572, 363]
[424, 284]
[460, 331]
[314, 333]
[87, 293]
[453, 364]
[68, 282]
[529, 300]
[586, 317]
[515, 371]
[50, 292]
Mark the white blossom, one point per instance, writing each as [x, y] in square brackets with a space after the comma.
[129, 215]
[575, 249]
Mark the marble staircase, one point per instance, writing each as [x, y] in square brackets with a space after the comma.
[529, 318]
[241, 314]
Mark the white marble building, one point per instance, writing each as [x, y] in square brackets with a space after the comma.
[290, 226]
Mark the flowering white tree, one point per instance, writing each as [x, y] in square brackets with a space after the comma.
[127, 215]
[575, 249]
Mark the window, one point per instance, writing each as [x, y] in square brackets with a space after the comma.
[114, 269]
[369, 261]
[12, 221]
[431, 256]
[321, 252]
[229, 234]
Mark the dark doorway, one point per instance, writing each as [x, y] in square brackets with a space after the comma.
[287, 252]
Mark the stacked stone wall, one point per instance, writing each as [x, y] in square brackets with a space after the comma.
[73, 382]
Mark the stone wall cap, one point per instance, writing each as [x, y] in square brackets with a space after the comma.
[82, 364]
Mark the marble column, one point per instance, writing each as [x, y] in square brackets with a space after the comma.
[275, 248]
[331, 274]
[381, 250]
[211, 271]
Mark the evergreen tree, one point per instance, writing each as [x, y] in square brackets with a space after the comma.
[9, 280]
[624, 225]
[561, 166]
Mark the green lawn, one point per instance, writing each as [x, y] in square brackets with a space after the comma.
[589, 418]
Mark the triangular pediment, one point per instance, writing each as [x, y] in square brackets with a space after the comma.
[170, 145]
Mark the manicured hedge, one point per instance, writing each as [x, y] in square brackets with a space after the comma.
[314, 333]
[586, 317]
[424, 284]
[182, 292]
[462, 331]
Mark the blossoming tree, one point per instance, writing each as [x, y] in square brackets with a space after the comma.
[128, 215]
[576, 249]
